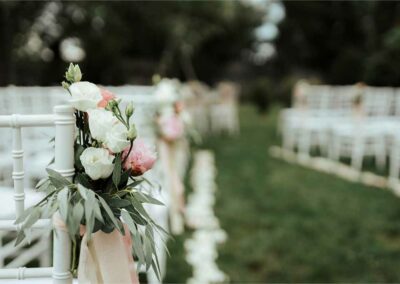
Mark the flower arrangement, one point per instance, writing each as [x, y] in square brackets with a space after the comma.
[173, 121]
[109, 163]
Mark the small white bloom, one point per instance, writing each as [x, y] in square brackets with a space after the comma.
[85, 95]
[166, 91]
[100, 122]
[98, 162]
[117, 138]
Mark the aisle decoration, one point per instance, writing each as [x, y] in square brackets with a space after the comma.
[173, 124]
[103, 201]
[201, 248]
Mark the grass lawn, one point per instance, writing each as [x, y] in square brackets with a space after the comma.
[286, 223]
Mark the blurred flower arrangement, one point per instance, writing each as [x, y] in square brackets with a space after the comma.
[173, 121]
[109, 163]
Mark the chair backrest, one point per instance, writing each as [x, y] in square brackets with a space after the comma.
[318, 97]
[64, 122]
[377, 101]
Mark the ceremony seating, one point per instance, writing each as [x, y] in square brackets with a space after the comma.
[344, 121]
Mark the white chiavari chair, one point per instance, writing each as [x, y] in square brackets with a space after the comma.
[63, 121]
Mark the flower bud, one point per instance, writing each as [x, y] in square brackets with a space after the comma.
[77, 73]
[129, 110]
[65, 85]
[73, 73]
[111, 105]
[132, 132]
[156, 79]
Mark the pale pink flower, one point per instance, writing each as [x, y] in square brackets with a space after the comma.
[107, 96]
[171, 127]
[140, 159]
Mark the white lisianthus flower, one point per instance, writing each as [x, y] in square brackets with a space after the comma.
[106, 128]
[100, 122]
[117, 138]
[98, 162]
[85, 95]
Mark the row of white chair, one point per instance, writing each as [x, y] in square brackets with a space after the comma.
[366, 125]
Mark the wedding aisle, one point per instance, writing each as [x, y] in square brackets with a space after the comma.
[286, 223]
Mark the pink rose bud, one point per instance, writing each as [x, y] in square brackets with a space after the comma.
[140, 159]
[171, 127]
[107, 96]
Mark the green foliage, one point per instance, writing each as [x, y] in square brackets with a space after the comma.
[263, 91]
[130, 41]
[340, 42]
[259, 92]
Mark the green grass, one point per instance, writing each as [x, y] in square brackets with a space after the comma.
[286, 223]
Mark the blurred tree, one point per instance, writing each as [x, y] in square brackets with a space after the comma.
[125, 41]
[11, 31]
[342, 41]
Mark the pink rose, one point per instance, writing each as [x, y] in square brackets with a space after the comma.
[107, 96]
[171, 127]
[140, 159]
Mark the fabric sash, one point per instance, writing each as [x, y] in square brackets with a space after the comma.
[174, 185]
[106, 258]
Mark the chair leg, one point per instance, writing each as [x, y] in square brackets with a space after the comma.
[394, 164]
[357, 155]
[335, 149]
[288, 139]
[380, 154]
[305, 145]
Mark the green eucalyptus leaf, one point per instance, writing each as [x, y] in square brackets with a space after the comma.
[136, 216]
[78, 152]
[24, 214]
[57, 179]
[124, 178]
[50, 208]
[139, 207]
[63, 202]
[97, 211]
[89, 215]
[82, 191]
[138, 248]
[152, 200]
[42, 182]
[128, 221]
[76, 218]
[156, 267]
[51, 161]
[109, 212]
[84, 180]
[119, 203]
[32, 218]
[116, 176]
[148, 249]
[135, 183]
[146, 198]
[20, 237]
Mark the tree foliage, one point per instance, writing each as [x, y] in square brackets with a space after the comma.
[341, 42]
[129, 41]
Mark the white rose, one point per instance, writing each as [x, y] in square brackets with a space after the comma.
[85, 95]
[117, 138]
[100, 122]
[98, 162]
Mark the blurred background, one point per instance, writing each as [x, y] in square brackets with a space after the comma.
[308, 76]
